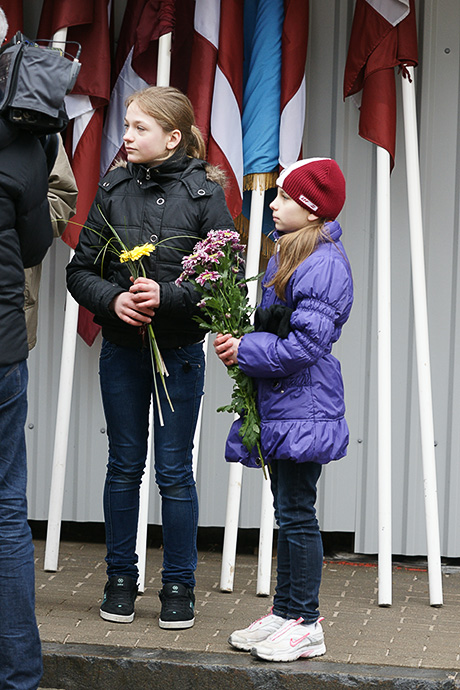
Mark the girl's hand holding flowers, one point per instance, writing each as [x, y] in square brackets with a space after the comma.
[137, 307]
[226, 347]
[127, 310]
[146, 294]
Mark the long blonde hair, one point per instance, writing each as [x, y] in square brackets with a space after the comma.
[295, 247]
[172, 110]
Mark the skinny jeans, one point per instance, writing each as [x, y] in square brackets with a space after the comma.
[127, 389]
[300, 547]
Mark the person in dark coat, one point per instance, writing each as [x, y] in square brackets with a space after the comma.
[166, 198]
[25, 236]
[307, 298]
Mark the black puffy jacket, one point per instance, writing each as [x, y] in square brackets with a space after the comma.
[179, 202]
[25, 231]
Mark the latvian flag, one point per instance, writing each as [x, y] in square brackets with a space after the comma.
[383, 36]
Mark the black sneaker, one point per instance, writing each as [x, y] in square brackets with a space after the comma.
[177, 606]
[120, 593]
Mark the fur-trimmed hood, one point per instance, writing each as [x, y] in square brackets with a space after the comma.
[216, 174]
[213, 172]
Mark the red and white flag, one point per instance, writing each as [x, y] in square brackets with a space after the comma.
[87, 22]
[136, 61]
[294, 42]
[216, 88]
[383, 36]
[14, 16]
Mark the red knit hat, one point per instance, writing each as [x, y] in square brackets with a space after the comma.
[317, 184]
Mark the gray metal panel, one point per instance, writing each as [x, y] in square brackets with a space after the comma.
[348, 489]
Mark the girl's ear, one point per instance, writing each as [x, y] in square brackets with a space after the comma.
[174, 138]
[312, 217]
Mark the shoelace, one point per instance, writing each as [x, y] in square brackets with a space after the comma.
[120, 596]
[172, 603]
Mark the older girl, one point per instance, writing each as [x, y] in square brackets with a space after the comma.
[166, 190]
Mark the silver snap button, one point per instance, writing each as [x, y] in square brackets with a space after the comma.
[154, 238]
[160, 201]
[201, 192]
[105, 184]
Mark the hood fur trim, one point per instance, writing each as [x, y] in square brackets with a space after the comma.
[213, 172]
[118, 163]
[216, 174]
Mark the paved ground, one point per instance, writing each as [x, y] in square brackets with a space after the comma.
[410, 638]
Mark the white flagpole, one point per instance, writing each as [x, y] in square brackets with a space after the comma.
[384, 376]
[164, 60]
[264, 564]
[266, 513]
[61, 436]
[236, 469]
[196, 438]
[142, 523]
[227, 571]
[63, 411]
[422, 339]
[163, 74]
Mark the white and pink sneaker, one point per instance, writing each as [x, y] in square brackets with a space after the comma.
[292, 640]
[256, 632]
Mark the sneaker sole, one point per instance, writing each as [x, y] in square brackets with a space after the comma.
[115, 617]
[240, 645]
[176, 625]
[319, 650]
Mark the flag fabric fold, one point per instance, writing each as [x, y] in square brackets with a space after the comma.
[383, 36]
[247, 86]
[263, 24]
[216, 88]
[294, 43]
[14, 15]
[87, 22]
[276, 40]
[203, 63]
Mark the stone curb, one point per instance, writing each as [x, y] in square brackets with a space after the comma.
[80, 667]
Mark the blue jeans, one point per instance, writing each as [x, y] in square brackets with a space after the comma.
[127, 387]
[20, 650]
[300, 547]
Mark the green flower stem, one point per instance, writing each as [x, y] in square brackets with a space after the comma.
[253, 413]
[155, 384]
[160, 366]
[259, 450]
[244, 404]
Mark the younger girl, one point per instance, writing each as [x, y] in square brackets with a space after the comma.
[165, 192]
[299, 395]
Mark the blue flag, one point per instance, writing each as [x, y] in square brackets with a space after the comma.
[263, 25]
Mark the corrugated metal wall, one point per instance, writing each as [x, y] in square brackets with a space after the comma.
[348, 489]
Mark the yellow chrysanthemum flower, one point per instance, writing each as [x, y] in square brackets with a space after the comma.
[136, 253]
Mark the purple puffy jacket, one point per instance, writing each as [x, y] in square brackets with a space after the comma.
[299, 383]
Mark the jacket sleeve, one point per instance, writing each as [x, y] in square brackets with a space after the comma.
[62, 192]
[184, 298]
[88, 271]
[322, 297]
[33, 225]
